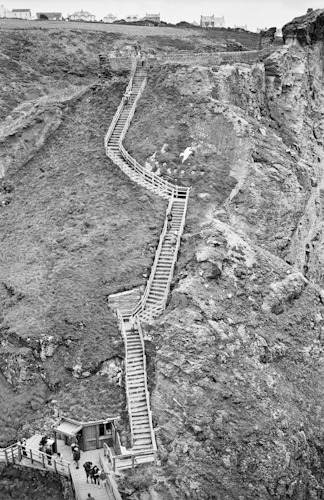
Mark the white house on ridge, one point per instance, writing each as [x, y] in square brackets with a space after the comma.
[212, 22]
[82, 15]
[110, 18]
[21, 14]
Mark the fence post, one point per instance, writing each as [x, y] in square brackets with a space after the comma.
[114, 464]
[133, 462]
[19, 453]
[43, 460]
[12, 454]
[55, 465]
[6, 457]
[31, 455]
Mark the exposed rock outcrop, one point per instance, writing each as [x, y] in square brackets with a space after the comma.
[239, 353]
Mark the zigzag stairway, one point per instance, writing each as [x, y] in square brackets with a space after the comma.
[153, 301]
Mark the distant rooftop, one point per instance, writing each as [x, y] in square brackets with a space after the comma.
[82, 12]
[19, 10]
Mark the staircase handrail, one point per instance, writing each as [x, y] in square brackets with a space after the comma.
[132, 110]
[121, 104]
[147, 395]
[167, 186]
[126, 379]
[113, 123]
[176, 250]
[141, 303]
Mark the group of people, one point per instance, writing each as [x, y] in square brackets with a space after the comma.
[45, 446]
[95, 475]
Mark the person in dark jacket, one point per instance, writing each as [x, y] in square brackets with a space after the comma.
[87, 467]
[49, 454]
[95, 475]
[76, 456]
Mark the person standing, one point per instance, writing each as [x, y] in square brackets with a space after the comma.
[97, 475]
[76, 456]
[94, 473]
[90, 497]
[87, 467]
[103, 477]
[49, 453]
[23, 447]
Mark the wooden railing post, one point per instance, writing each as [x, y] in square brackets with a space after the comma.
[12, 454]
[31, 455]
[6, 457]
[19, 452]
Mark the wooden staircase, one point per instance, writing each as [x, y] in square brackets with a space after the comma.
[153, 300]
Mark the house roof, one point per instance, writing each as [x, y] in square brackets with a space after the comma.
[82, 13]
[68, 428]
[49, 14]
[110, 15]
[20, 10]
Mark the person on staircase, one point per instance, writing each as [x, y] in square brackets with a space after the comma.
[169, 223]
[76, 456]
[94, 475]
[87, 467]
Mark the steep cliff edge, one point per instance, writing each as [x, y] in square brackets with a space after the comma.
[237, 360]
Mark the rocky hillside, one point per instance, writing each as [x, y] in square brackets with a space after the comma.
[235, 363]
[238, 356]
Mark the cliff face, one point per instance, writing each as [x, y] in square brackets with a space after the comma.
[239, 377]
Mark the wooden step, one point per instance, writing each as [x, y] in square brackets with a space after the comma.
[141, 442]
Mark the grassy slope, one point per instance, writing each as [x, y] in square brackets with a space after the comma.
[75, 231]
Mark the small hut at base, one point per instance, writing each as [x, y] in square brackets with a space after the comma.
[88, 435]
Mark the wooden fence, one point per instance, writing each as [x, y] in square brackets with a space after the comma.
[18, 454]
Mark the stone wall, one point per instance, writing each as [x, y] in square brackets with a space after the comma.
[248, 57]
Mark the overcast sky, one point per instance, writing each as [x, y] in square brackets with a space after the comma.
[254, 13]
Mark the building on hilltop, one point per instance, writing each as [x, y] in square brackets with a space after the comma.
[5, 12]
[21, 14]
[49, 16]
[155, 18]
[82, 15]
[240, 27]
[212, 22]
[131, 18]
[110, 18]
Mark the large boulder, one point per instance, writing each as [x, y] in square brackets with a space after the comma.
[307, 29]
